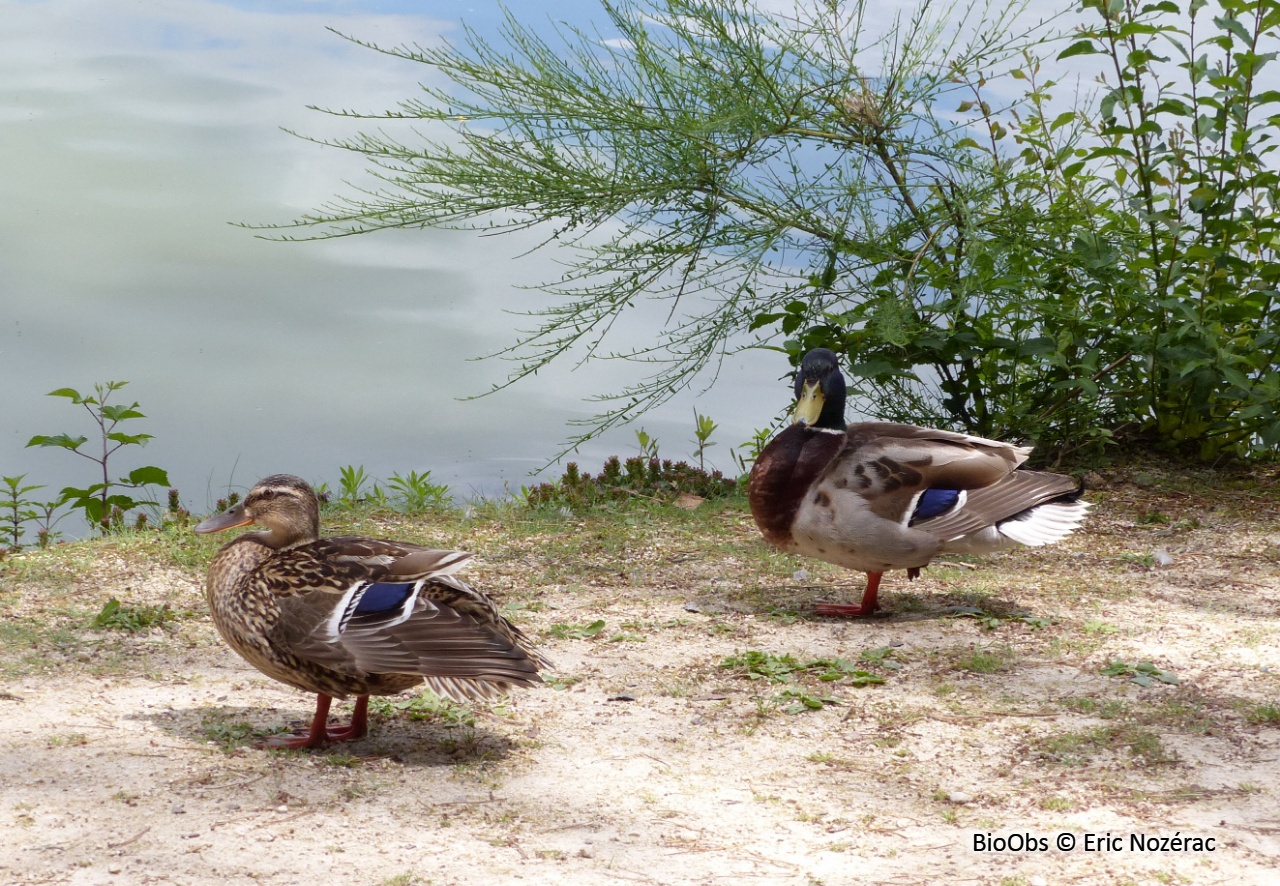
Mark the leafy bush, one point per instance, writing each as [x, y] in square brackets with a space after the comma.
[1107, 271]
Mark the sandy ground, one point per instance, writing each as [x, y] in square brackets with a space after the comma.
[648, 761]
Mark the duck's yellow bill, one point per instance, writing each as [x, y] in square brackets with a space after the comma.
[809, 406]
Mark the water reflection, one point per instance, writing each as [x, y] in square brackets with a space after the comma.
[135, 134]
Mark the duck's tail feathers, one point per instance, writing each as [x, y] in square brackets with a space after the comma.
[1047, 522]
[464, 689]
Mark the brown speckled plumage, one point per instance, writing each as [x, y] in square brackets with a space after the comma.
[348, 616]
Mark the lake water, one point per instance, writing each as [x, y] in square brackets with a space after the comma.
[134, 134]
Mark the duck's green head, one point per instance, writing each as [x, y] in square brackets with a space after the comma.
[820, 391]
[285, 507]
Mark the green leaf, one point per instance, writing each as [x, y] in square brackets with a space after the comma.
[92, 508]
[148, 476]
[128, 439]
[1110, 152]
[1202, 198]
[121, 413]
[1174, 106]
[66, 442]
[761, 320]
[1204, 126]
[124, 502]
[1234, 27]
[69, 393]
[1236, 377]
[1080, 47]
[1062, 120]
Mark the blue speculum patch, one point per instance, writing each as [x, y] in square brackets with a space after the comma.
[383, 597]
[934, 502]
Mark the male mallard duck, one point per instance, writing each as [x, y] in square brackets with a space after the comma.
[874, 496]
[345, 615]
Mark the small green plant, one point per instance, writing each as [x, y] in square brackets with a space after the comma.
[1264, 713]
[177, 513]
[759, 440]
[798, 701]
[556, 682]
[232, 499]
[880, 657]
[703, 428]
[17, 509]
[351, 481]
[829, 670]
[425, 706]
[757, 665]
[648, 445]
[985, 619]
[987, 660]
[377, 498]
[567, 631]
[990, 621]
[406, 879]
[115, 616]
[45, 521]
[417, 493]
[102, 507]
[1078, 748]
[1144, 673]
[226, 735]
[70, 740]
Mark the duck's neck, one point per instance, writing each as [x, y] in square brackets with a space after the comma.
[278, 538]
[831, 418]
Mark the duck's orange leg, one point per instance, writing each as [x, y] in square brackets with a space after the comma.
[867, 607]
[320, 732]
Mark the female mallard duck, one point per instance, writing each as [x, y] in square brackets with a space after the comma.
[345, 615]
[874, 496]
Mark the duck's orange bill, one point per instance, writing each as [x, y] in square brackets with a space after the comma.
[228, 519]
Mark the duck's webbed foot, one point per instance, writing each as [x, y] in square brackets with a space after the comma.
[321, 733]
[869, 605]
